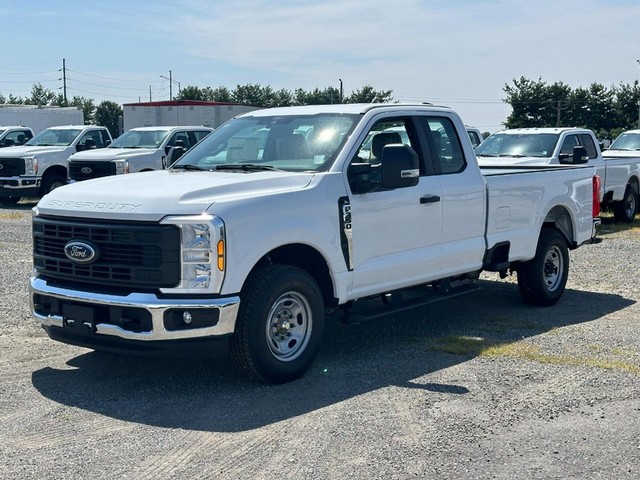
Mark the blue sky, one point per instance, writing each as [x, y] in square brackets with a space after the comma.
[458, 53]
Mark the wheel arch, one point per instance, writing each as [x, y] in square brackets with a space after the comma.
[306, 258]
[559, 218]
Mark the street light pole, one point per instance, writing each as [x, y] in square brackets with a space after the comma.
[341, 91]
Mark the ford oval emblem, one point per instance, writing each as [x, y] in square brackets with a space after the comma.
[86, 170]
[81, 251]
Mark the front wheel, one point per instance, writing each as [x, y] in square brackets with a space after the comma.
[626, 209]
[279, 326]
[51, 183]
[542, 280]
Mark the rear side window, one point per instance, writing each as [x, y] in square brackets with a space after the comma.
[587, 142]
[444, 145]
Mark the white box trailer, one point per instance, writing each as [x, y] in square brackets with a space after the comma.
[180, 113]
[40, 118]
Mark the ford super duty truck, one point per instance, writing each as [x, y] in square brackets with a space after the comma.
[281, 218]
[138, 150]
[619, 174]
[40, 165]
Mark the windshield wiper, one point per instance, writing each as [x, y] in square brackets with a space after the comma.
[513, 155]
[245, 167]
[189, 167]
[485, 155]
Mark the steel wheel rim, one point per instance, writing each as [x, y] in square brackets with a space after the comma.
[289, 326]
[553, 269]
[630, 205]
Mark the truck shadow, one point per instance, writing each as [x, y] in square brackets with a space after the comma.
[207, 395]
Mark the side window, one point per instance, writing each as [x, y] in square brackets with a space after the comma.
[19, 137]
[200, 134]
[475, 139]
[587, 142]
[383, 132]
[91, 140]
[444, 145]
[104, 136]
[570, 141]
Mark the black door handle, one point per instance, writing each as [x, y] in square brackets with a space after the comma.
[429, 199]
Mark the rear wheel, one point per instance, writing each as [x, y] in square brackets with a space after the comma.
[542, 280]
[626, 209]
[279, 326]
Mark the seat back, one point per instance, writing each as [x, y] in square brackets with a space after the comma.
[379, 141]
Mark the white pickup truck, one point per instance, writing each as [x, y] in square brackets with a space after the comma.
[280, 217]
[552, 146]
[40, 165]
[138, 150]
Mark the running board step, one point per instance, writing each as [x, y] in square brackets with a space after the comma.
[372, 309]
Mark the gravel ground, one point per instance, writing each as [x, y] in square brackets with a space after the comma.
[557, 397]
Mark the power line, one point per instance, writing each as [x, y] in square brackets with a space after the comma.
[115, 79]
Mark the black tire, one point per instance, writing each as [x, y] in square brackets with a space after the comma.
[268, 345]
[626, 209]
[9, 200]
[542, 280]
[52, 182]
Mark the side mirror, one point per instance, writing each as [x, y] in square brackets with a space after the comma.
[580, 155]
[400, 166]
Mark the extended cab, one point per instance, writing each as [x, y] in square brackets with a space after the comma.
[12, 136]
[553, 146]
[40, 165]
[138, 150]
[282, 216]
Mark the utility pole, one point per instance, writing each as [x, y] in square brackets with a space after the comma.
[150, 93]
[558, 114]
[341, 91]
[64, 80]
[638, 101]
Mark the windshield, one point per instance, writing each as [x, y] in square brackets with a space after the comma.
[53, 137]
[140, 139]
[539, 145]
[626, 141]
[291, 142]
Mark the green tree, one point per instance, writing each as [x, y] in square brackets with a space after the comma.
[367, 94]
[87, 106]
[108, 114]
[191, 92]
[40, 96]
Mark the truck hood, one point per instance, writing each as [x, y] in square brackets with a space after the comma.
[106, 154]
[150, 196]
[498, 161]
[621, 154]
[24, 151]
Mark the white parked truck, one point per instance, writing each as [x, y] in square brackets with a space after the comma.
[622, 160]
[280, 218]
[547, 146]
[40, 165]
[139, 150]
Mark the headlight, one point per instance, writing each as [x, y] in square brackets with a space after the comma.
[30, 166]
[203, 253]
[122, 166]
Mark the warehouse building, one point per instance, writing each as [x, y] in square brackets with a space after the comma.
[180, 112]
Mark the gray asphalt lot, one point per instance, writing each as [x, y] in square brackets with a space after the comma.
[534, 393]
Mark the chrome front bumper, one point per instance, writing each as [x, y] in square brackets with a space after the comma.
[227, 309]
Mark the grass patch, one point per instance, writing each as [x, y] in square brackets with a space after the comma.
[10, 215]
[609, 225]
[478, 346]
